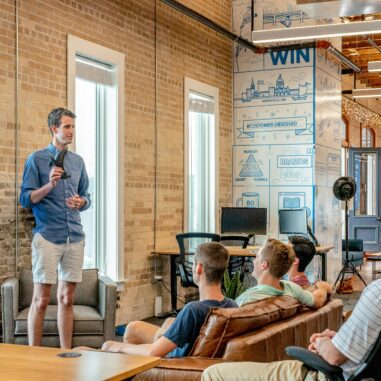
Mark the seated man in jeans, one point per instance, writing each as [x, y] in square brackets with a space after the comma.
[347, 348]
[272, 262]
[210, 262]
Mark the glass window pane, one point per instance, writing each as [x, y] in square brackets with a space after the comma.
[86, 147]
[365, 202]
[202, 162]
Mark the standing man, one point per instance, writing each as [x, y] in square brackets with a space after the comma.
[56, 191]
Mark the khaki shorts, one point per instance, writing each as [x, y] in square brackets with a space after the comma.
[48, 256]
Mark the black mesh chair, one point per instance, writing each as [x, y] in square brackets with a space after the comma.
[188, 243]
[370, 367]
[235, 263]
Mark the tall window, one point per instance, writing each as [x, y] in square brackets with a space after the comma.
[95, 88]
[201, 156]
[367, 137]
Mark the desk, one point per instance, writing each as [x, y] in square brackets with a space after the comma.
[234, 251]
[374, 257]
[21, 362]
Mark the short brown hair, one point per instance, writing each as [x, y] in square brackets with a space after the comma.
[214, 258]
[279, 257]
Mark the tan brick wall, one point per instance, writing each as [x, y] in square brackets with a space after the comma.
[183, 48]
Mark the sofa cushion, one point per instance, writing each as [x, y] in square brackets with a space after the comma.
[87, 321]
[86, 292]
[224, 323]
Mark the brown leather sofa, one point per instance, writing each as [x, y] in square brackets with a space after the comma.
[258, 331]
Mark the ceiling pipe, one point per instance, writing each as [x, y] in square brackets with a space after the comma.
[328, 46]
[212, 25]
[257, 49]
[371, 42]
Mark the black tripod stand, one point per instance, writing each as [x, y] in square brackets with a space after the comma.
[348, 267]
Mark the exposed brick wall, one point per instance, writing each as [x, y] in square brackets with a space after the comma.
[183, 48]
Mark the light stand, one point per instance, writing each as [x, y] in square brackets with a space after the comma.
[344, 189]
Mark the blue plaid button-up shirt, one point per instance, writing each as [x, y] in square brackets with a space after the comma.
[54, 220]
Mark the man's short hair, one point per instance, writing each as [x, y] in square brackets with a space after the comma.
[214, 258]
[54, 117]
[304, 249]
[279, 257]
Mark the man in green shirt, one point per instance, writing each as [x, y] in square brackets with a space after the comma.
[272, 262]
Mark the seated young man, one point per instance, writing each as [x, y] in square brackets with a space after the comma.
[210, 262]
[304, 251]
[347, 348]
[272, 262]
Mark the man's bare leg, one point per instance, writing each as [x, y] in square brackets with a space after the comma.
[65, 315]
[40, 301]
[140, 332]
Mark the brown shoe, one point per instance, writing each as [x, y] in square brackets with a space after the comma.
[345, 287]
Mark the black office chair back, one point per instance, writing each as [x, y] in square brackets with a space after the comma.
[235, 240]
[188, 243]
[370, 368]
[235, 263]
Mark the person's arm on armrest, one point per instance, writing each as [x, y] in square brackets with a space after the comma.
[320, 295]
[159, 348]
[325, 348]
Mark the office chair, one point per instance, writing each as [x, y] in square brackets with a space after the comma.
[235, 263]
[188, 243]
[369, 368]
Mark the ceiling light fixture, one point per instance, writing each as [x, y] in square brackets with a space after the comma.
[374, 66]
[316, 31]
[366, 93]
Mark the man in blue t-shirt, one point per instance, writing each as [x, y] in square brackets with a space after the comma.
[210, 262]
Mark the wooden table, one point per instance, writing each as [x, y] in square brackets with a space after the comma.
[374, 257]
[20, 362]
[234, 251]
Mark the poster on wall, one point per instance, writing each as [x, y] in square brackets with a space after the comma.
[274, 125]
[271, 87]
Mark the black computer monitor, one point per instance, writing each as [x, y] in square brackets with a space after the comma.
[244, 220]
[293, 221]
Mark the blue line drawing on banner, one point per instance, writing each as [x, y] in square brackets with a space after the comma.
[331, 64]
[245, 59]
[293, 200]
[292, 166]
[251, 168]
[246, 19]
[284, 18]
[248, 200]
[325, 84]
[294, 161]
[288, 58]
[329, 125]
[297, 124]
[279, 90]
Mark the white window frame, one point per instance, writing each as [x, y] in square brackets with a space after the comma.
[94, 51]
[213, 92]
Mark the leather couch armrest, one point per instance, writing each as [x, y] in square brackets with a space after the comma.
[174, 369]
[107, 306]
[10, 308]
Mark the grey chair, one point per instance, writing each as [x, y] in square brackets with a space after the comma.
[355, 251]
[94, 310]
